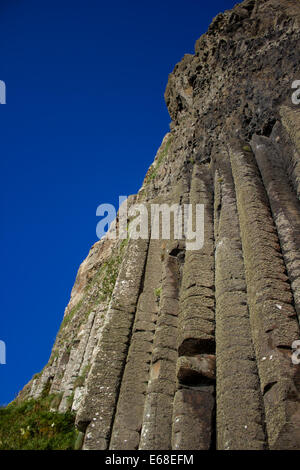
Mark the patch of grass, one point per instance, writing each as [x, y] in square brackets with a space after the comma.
[124, 242]
[111, 270]
[46, 389]
[55, 402]
[107, 274]
[70, 400]
[31, 426]
[158, 292]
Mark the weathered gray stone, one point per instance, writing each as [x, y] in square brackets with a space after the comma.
[193, 410]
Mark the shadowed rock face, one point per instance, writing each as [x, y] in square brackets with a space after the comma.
[165, 348]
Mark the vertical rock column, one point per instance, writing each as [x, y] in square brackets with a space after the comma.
[129, 413]
[285, 208]
[157, 421]
[95, 331]
[239, 401]
[95, 415]
[272, 315]
[291, 122]
[194, 402]
[74, 365]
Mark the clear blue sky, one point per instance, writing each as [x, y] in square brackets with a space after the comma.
[84, 117]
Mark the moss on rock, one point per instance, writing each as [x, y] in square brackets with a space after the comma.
[31, 426]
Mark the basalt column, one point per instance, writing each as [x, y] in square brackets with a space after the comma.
[157, 423]
[239, 401]
[129, 413]
[194, 400]
[285, 207]
[97, 410]
[273, 318]
[157, 420]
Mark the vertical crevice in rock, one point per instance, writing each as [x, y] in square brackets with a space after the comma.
[239, 425]
[272, 315]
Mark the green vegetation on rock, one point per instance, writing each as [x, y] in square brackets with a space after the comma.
[111, 270]
[99, 289]
[158, 292]
[71, 314]
[107, 274]
[79, 382]
[31, 426]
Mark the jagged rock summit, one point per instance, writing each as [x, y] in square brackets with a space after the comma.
[165, 348]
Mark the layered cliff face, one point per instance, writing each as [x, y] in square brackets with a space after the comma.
[167, 348]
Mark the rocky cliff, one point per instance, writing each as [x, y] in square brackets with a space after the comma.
[165, 348]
